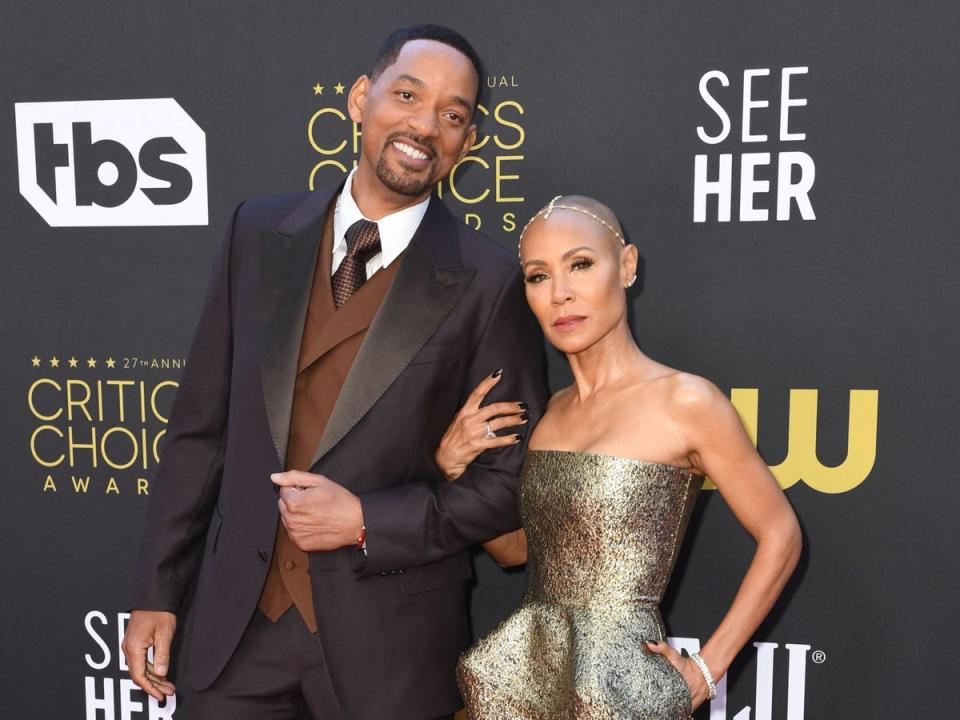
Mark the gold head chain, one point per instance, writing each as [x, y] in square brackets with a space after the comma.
[552, 205]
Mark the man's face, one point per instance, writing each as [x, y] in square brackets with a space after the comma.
[416, 116]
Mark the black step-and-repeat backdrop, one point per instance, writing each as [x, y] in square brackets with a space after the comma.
[787, 169]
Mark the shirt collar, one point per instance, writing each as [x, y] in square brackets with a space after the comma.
[396, 229]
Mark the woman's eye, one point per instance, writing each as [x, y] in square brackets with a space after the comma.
[581, 264]
[536, 277]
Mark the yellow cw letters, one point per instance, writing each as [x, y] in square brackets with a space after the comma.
[801, 462]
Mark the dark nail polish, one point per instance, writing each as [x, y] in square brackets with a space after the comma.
[517, 438]
[522, 405]
[496, 373]
[525, 417]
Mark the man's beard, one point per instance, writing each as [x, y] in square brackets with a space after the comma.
[402, 183]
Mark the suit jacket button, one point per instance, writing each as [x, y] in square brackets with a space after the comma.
[263, 554]
[384, 573]
[400, 572]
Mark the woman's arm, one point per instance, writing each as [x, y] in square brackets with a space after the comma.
[467, 437]
[508, 550]
[721, 449]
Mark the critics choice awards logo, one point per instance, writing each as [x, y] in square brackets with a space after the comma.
[112, 162]
[772, 174]
[96, 423]
[484, 189]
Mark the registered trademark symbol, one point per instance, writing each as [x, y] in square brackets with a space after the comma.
[819, 657]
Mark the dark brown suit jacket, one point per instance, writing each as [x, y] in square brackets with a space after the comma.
[331, 339]
[393, 623]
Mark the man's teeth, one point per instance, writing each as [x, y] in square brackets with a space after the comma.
[409, 151]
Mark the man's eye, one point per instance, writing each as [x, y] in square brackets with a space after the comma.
[455, 118]
[405, 95]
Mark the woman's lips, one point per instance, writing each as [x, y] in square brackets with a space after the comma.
[569, 323]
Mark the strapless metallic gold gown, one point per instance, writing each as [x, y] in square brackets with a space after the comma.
[603, 534]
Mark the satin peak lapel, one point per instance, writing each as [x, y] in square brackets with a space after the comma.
[288, 256]
[429, 283]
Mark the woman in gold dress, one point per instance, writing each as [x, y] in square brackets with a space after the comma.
[607, 489]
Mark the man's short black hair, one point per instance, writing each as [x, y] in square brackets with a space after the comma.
[390, 50]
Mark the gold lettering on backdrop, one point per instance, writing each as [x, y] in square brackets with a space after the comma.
[49, 484]
[33, 408]
[506, 123]
[801, 462]
[503, 177]
[311, 135]
[494, 178]
[33, 446]
[452, 179]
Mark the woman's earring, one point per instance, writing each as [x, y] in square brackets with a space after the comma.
[631, 281]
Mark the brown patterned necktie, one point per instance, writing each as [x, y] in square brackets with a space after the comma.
[363, 242]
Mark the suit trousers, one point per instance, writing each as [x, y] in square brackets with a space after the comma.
[278, 672]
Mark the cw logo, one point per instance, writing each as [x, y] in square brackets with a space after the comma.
[801, 462]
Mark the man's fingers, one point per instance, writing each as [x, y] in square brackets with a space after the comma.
[297, 479]
[161, 653]
[137, 662]
[480, 391]
[160, 682]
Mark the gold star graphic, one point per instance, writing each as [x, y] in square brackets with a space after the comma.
[91, 363]
[318, 89]
[54, 362]
[35, 361]
[339, 88]
[111, 362]
[72, 361]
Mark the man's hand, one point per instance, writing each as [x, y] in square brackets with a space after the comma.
[150, 628]
[318, 513]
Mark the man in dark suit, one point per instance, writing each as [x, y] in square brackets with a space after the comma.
[342, 331]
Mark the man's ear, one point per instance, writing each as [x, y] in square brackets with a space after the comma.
[468, 142]
[357, 98]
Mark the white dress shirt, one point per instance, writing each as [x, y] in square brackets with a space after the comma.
[396, 229]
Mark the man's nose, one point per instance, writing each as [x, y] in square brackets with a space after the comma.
[423, 121]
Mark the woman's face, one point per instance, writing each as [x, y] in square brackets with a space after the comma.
[575, 272]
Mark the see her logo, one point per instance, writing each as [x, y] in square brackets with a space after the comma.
[794, 172]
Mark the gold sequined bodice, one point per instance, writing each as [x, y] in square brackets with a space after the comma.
[602, 528]
[603, 534]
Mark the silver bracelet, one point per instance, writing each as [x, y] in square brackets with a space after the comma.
[707, 676]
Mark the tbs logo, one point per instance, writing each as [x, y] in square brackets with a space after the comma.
[112, 162]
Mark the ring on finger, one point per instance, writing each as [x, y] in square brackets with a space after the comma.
[490, 433]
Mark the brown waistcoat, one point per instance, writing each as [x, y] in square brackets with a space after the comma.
[331, 339]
